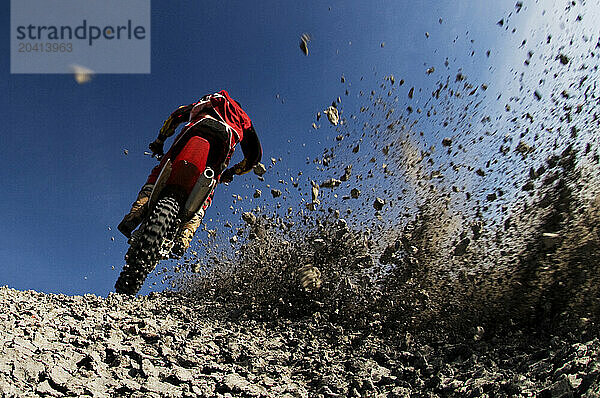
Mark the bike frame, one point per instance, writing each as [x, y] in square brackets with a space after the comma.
[188, 175]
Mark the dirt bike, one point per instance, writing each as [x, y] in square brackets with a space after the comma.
[182, 187]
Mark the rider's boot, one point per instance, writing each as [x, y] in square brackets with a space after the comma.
[185, 235]
[137, 212]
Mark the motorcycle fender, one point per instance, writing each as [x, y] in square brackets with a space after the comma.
[200, 192]
[161, 182]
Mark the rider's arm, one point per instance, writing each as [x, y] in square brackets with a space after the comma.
[181, 114]
[252, 152]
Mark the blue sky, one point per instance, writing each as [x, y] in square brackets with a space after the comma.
[66, 178]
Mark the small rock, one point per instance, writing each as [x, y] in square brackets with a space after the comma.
[355, 193]
[304, 39]
[276, 193]
[257, 193]
[479, 331]
[59, 376]
[550, 239]
[461, 248]
[260, 169]
[347, 173]
[310, 277]
[378, 204]
[331, 183]
[44, 389]
[249, 218]
[332, 115]
[314, 191]
[237, 384]
[560, 389]
[312, 206]
[523, 149]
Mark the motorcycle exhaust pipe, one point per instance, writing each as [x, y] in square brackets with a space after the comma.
[204, 186]
[209, 173]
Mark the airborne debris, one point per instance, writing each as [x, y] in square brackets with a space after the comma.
[331, 183]
[519, 6]
[523, 149]
[550, 239]
[249, 218]
[304, 39]
[82, 74]
[378, 204]
[347, 173]
[314, 191]
[260, 169]
[479, 332]
[461, 248]
[332, 115]
[310, 277]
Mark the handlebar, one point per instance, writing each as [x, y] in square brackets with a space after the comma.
[158, 156]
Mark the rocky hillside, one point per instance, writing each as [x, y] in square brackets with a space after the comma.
[163, 345]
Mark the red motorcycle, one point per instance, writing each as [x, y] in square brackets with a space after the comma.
[183, 186]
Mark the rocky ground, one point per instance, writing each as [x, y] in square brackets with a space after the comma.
[163, 345]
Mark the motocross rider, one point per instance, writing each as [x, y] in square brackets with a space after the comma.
[223, 123]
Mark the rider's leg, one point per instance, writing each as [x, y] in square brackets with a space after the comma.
[187, 230]
[137, 212]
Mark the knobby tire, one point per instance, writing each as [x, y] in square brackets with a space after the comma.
[144, 253]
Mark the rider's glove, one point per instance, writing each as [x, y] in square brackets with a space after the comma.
[227, 176]
[157, 147]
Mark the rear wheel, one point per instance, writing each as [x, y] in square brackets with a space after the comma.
[153, 240]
